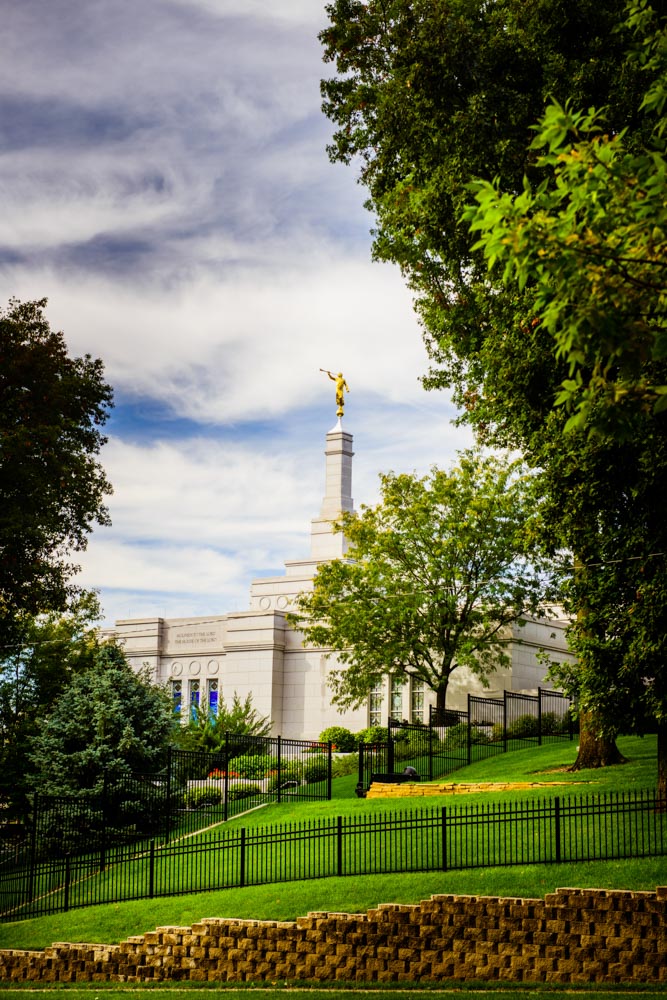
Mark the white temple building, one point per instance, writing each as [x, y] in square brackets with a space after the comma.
[256, 652]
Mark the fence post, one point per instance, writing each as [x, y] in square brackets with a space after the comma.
[557, 829]
[168, 802]
[151, 871]
[431, 735]
[242, 859]
[330, 764]
[280, 780]
[360, 789]
[539, 716]
[469, 739]
[390, 751]
[226, 789]
[339, 846]
[68, 875]
[105, 813]
[505, 721]
[443, 827]
[33, 849]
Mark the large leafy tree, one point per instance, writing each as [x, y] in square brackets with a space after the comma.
[431, 94]
[435, 575]
[589, 247]
[621, 676]
[52, 488]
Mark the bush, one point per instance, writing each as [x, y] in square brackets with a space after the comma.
[254, 765]
[244, 790]
[456, 737]
[410, 743]
[403, 746]
[316, 770]
[341, 766]
[373, 734]
[291, 771]
[524, 725]
[343, 739]
[552, 723]
[196, 798]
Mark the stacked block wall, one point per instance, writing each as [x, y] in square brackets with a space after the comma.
[571, 936]
[416, 790]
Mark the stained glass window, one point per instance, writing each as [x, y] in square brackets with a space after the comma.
[177, 696]
[194, 698]
[213, 698]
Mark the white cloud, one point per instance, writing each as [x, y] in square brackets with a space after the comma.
[207, 493]
[248, 343]
[165, 184]
[165, 569]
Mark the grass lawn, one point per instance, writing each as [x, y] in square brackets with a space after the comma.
[114, 922]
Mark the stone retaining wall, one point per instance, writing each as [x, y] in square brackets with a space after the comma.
[417, 789]
[571, 936]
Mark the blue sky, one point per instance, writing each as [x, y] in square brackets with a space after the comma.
[165, 184]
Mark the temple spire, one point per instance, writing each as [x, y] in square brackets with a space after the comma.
[337, 495]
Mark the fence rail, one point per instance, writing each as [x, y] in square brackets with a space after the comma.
[193, 790]
[576, 828]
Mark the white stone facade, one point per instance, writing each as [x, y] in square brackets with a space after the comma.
[256, 652]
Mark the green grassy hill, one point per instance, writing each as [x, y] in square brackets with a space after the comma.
[114, 922]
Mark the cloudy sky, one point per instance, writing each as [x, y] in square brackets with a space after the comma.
[165, 184]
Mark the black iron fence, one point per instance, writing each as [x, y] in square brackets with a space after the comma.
[534, 831]
[194, 790]
[453, 739]
[246, 772]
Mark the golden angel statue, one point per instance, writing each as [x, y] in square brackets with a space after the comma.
[341, 388]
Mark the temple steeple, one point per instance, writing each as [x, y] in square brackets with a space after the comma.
[337, 496]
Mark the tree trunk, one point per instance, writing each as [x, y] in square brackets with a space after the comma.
[595, 750]
[662, 766]
[441, 698]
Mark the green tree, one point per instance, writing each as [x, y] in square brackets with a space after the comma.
[589, 246]
[429, 95]
[206, 730]
[108, 723]
[52, 488]
[436, 574]
[47, 651]
[607, 498]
